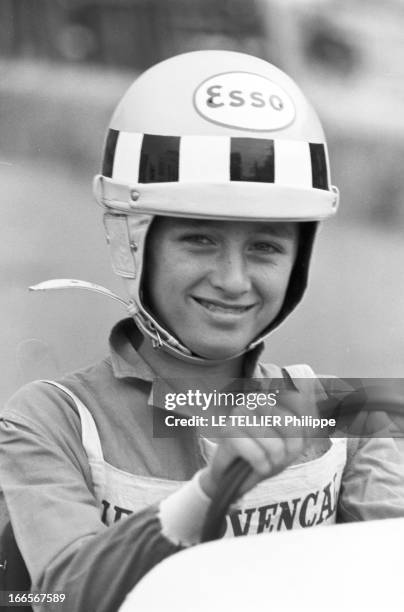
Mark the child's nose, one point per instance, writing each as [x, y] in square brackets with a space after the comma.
[231, 274]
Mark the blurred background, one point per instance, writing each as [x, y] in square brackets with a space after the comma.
[63, 66]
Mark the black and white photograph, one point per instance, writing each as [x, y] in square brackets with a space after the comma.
[202, 297]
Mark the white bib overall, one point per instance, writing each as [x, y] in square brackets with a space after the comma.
[303, 495]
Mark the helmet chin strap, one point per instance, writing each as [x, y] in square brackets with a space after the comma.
[72, 283]
[159, 337]
[148, 329]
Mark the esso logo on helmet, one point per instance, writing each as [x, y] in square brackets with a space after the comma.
[244, 100]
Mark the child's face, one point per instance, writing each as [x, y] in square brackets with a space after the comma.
[217, 284]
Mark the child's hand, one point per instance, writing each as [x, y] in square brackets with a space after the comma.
[268, 450]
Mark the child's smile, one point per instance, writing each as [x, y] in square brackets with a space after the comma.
[224, 308]
[217, 285]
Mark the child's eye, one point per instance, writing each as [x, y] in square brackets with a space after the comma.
[263, 247]
[199, 239]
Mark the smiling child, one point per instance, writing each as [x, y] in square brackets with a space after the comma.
[215, 177]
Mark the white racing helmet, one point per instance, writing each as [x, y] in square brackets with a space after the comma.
[212, 135]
